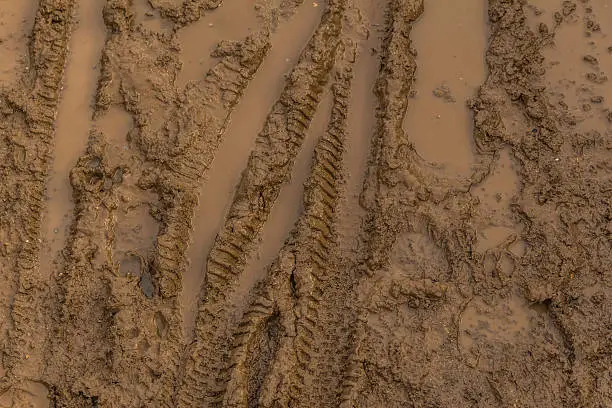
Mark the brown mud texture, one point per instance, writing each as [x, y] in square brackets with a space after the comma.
[210, 203]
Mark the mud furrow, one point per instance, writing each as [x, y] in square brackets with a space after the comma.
[317, 236]
[391, 149]
[289, 294]
[288, 206]
[26, 128]
[394, 81]
[86, 261]
[246, 59]
[275, 151]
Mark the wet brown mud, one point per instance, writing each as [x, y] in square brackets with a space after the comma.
[232, 20]
[293, 203]
[17, 19]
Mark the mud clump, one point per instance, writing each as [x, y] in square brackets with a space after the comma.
[444, 92]
[420, 288]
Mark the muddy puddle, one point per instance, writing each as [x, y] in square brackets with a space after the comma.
[239, 138]
[16, 21]
[450, 41]
[150, 18]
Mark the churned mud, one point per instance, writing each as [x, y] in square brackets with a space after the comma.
[331, 203]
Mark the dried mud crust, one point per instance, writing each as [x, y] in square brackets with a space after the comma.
[412, 312]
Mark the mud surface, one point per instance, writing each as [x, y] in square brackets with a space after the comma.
[338, 203]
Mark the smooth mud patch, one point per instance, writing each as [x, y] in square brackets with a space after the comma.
[16, 21]
[231, 21]
[231, 159]
[74, 117]
[488, 326]
[115, 123]
[450, 40]
[503, 322]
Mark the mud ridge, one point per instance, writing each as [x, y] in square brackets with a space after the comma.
[292, 290]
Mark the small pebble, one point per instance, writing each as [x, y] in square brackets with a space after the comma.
[210, 24]
[55, 230]
[597, 99]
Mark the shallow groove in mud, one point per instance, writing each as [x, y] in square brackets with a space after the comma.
[27, 126]
[361, 121]
[73, 120]
[295, 281]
